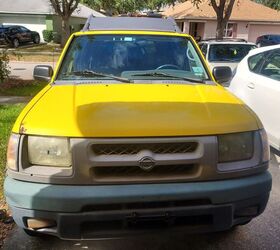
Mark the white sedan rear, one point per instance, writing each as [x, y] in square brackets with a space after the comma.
[257, 83]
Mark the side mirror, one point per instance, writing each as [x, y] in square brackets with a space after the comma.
[43, 73]
[222, 75]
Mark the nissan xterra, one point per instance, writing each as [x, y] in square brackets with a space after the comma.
[133, 134]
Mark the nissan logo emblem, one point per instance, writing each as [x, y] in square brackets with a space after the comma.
[147, 163]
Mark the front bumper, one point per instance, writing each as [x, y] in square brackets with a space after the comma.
[83, 212]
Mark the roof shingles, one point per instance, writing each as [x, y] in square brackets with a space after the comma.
[42, 7]
[243, 10]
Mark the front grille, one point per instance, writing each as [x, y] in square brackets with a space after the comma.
[133, 149]
[146, 160]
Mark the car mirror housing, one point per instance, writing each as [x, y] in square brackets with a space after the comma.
[222, 74]
[43, 73]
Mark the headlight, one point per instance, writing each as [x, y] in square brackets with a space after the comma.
[49, 151]
[236, 147]
[12, 152]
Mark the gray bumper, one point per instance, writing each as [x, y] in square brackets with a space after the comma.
[81, 207]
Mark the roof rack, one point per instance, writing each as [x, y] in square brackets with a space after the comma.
[131, 23]
[225, 39]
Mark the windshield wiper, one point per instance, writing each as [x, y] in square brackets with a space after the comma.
[156, 73]
[89, 73]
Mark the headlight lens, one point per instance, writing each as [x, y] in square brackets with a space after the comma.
[236, 147]
[49, 151]
[265, 146]
[12, 152]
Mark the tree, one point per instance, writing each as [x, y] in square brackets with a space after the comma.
[223, 9]
[274, 4]
[115, 7]
[64, 8]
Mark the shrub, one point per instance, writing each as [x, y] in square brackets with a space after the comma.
[48, 35]
[4, 65]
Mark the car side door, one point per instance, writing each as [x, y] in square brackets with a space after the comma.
[264, 89]
[25, 34]
[14, 33]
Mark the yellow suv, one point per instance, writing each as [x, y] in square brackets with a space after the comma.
[133, 134]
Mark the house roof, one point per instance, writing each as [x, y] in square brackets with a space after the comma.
[243, 10]
[42, 7]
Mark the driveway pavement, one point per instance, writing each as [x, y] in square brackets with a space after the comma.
[14, 99]
[24, 70]
[262, 233]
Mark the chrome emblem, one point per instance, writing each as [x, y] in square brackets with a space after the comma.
[147, 163]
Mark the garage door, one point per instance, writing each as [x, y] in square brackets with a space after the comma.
[257, 30]
[31, 22]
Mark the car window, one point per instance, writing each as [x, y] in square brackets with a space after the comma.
[14, 30]
[132, 55]
[271, 67]
[23, 29]
[255, 61]
[228, 52]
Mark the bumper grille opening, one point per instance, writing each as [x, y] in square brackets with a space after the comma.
[156, 148]
[135, 173]
[146, 223]
[146, 205]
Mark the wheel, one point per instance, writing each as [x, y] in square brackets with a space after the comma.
[15, 43]
[32, 233]
[36, 39]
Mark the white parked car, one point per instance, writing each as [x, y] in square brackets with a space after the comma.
[226, 52]
[257, 83]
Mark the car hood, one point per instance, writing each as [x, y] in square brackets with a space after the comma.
[126, 110]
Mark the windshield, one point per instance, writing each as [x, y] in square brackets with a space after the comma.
[229, 52]
[134, 57]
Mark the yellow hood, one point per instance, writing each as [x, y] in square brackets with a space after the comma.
[135, 110]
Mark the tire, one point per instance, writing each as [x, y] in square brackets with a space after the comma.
[15, 43]
[36, 39]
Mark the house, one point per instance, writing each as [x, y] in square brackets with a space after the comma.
[248, 20]
[38, 15]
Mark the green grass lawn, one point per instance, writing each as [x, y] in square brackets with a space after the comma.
[21, 88]
[8, 115]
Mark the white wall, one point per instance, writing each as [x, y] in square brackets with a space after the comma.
[245, 30]
[242, 30]
[210, 29]
[31, 22]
